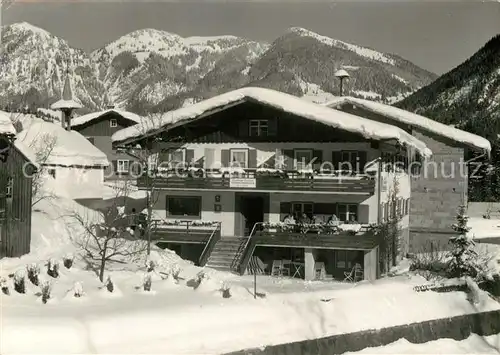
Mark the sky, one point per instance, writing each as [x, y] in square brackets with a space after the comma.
[435, 35]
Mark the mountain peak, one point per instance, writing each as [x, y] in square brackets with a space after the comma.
[28, 27]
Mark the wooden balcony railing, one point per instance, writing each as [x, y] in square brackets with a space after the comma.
[254, 180]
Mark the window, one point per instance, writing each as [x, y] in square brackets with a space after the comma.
[348, 212]
[259, 128]
[176, 158]
[346, 259]
[10, 187]
[303, 158]
[52, 172]
[349, 160]
[122, 166]
[113, 122]
[299, 208]
[239, 158]
[90, 139]
[184, 206]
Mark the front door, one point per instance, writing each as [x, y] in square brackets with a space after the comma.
[252, 211]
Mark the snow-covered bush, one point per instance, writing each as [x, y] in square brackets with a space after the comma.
[20, 281]
[53, 268]
[200, 277]
[147, 282]
[4, 286]
[109, 284]
[33, 273]
[226, 291]
[78, 289]
[475, 293]
[68, 260]
[462, 255]
[46, 288]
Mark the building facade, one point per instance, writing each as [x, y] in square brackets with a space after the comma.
[17, 166]
[98, 127]
[440, 186]
[249, 161]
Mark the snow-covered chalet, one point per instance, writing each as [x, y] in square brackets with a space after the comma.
[17, 166]
[440, 186]
[255, 180]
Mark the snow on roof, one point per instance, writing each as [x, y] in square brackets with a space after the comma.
[81, 120]
[413, 119]
[6, 126]
[27, 152]
[281, 101]
[65, 104]
[70, 147]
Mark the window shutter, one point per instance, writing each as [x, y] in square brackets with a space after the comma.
[135, 167]
[224, 157]
[362, 161]
[252, 158]
[336, 159]
[272, 127]
[318, 154]
[163, 156]
[189, 156]
[115, 166]
[209, 158]
[288, 157]
[243, 128]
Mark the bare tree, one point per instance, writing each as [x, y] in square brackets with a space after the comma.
[110, 239]
[146, 154]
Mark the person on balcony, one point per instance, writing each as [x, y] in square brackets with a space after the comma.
[289, 219]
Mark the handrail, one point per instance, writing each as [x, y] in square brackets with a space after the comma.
[245, 249]
[202, 256]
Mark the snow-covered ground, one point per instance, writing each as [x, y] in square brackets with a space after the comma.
[176, 317]
[482, 228]
[474, 344]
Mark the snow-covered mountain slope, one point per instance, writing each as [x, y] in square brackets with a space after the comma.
[148, 65]
[33, 67]
[303, 63]
[149, 70]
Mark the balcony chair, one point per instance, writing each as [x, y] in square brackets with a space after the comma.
[355, 274]
[278, 269]
[319, 271]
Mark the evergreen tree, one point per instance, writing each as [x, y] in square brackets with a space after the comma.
[462, 255]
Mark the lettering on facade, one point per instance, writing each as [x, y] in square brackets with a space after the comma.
[243, 183]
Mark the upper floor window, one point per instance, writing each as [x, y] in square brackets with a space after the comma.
[299, 209]
[239, 158]
[113, 122]
[123, 166]
[349, 160]
[259, 128]
[303, 158]
[183, 206]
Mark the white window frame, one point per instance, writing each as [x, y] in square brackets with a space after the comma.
[232, 151]
[295, 161]
[348, 214]
[259, 124]
[122, 170]
[113, 123]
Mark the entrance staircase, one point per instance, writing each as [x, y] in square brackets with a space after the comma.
[227, 254]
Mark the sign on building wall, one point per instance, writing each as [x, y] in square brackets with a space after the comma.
[243, 183]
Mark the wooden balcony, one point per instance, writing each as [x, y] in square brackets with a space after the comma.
[252, 181]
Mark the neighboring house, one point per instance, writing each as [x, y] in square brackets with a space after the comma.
[440, 186]
[253, 156]
[17, 165]
[98, 127]
[75, 163]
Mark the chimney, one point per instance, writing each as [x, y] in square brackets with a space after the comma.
[342, 75]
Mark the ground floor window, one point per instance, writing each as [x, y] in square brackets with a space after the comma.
[348, 212]
[183, 206]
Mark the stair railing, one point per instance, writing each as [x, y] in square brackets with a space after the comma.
[212, 240]
[248, 249]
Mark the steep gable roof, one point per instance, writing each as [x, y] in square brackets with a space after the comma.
[278, 100]
[6, 126]
[81, 120]
[70, 148]
[414, 120]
